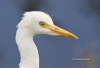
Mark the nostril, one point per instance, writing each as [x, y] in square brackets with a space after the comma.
[56, 28]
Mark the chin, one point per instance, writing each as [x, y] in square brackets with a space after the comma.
[53, 34]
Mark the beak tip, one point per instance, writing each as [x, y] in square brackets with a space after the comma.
[76, 38]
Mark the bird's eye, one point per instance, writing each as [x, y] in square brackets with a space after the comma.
[41, 23]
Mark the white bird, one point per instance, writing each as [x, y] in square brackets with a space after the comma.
[32, 23]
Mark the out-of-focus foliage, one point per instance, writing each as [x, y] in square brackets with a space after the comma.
[89, 52]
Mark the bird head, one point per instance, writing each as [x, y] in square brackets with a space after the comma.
[38, 22]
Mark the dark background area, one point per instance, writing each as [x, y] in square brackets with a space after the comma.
[81, 17]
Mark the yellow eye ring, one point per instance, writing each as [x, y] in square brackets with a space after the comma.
[41, 23]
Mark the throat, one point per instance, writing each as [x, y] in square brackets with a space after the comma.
[27, 49]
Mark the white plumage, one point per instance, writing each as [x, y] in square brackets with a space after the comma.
[35, 22]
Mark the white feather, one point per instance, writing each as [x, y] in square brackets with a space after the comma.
[27, 29]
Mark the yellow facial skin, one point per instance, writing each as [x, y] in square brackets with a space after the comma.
[58, 30]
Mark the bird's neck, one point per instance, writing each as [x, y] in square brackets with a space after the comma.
[27, 48]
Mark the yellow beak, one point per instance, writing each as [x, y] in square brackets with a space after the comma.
[61, 31]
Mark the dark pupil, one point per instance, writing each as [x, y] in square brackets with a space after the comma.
[41, 23]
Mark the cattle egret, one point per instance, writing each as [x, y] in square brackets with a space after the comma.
[33, 23]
